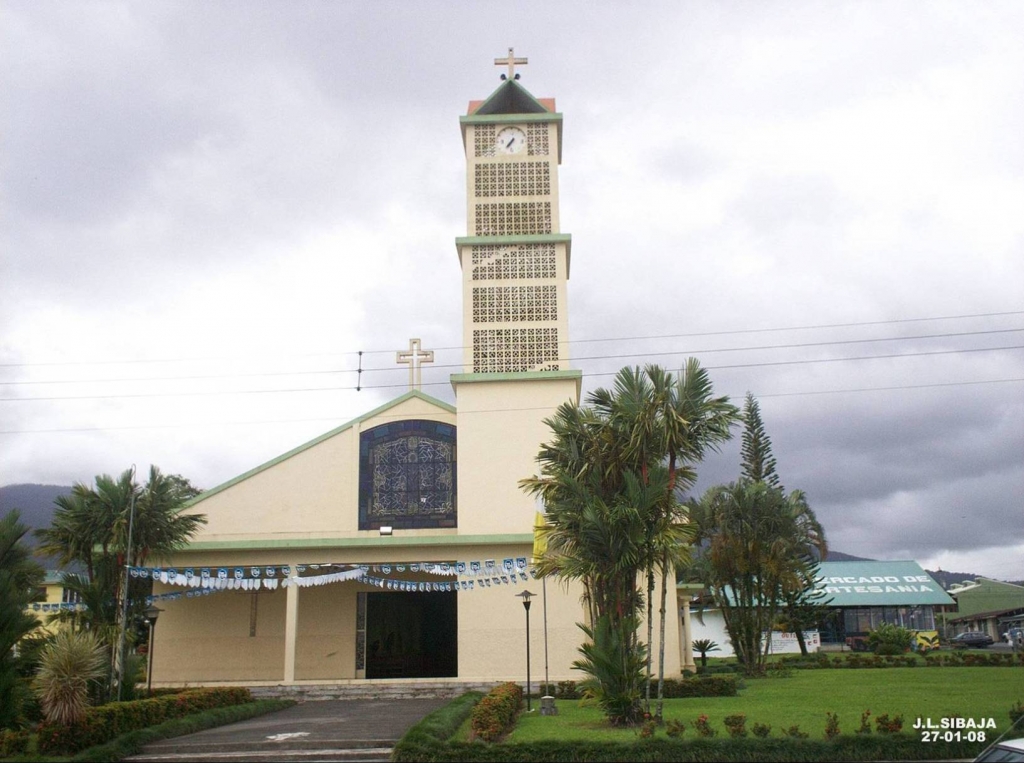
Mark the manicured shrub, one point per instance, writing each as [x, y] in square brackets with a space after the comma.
[423, 739]
[561, 690]
[865, 724]
[831, 726]
[736, 725]
[703, 727]
[674, 728]
[494, 715]
[761, 730]
[13, 742]
[795, 732]
[700, 686]
[890, 639]
[846, 747]
[1016, 712]
[887, 725]
[101, 724]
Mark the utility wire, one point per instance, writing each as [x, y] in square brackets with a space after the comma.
[495, 410]
[437, 367]
[730, 332]
[438, 383]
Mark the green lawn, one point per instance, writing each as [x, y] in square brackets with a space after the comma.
[804, 698]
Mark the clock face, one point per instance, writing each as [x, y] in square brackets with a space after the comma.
[510, 140]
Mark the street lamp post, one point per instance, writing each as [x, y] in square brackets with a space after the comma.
[152, 613]
[525, 596]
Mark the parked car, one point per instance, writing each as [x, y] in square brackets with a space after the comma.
[972, 638]
[1006, 751]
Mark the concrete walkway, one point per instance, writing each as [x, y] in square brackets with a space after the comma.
[327, 730]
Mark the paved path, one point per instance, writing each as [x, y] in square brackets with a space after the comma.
[327, 730]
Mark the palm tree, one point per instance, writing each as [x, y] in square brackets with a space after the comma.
[760, 546]
[694, 423]
[673, 420]
[20, 578]
[637, 442]
[704, 645]
[90, 530]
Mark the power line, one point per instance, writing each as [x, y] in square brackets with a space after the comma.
[749, 348]
[729, 332]
[496, 410]
[763, 364]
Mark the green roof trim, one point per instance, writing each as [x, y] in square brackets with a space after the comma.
[516, 376]
[511, 103]
[510, 98]
[493, 119]
[533, 238]
[415, 393]
[365, 542]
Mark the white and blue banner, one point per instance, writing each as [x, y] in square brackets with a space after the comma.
[469, 575]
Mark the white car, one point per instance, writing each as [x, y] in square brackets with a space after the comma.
[1007, 751]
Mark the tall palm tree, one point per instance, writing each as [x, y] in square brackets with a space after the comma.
[694, 423]
[648, 431]
[90, 529]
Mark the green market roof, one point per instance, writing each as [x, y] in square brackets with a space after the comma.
[879, 584]
[876, 584]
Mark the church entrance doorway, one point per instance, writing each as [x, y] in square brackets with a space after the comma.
[412, 635]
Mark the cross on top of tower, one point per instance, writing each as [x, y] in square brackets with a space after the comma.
[511, 62]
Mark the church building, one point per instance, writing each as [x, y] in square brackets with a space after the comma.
[398, 545]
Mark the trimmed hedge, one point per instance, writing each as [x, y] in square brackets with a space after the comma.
[842, 748]
[133, 742]
[496, 712]
[701, 686]
[674, 688]
[425, 738]
[958, 659]
[13, 742]
[103, 723]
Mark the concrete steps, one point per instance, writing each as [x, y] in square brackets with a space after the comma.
[370, 690]
[347, 750]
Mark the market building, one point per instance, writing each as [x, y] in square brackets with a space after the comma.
[860, 596]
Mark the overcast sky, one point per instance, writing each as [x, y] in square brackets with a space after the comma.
[208, 208]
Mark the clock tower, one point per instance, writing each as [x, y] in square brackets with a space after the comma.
[515, 268]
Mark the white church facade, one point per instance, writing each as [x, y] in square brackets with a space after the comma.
[394, 547]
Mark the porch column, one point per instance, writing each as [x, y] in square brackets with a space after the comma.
[291, 628]
[688, 663]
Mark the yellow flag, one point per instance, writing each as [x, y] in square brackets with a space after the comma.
[540, 541]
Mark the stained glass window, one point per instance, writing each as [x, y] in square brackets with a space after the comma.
[407, 475]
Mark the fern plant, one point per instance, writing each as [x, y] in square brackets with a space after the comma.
[615, 673]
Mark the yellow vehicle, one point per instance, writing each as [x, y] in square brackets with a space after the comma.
[925, 641]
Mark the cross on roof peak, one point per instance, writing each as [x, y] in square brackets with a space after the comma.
[510, 61]
[415, 357]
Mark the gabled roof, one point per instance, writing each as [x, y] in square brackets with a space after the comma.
[415, 393]
[875, 584]
[510, 98]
